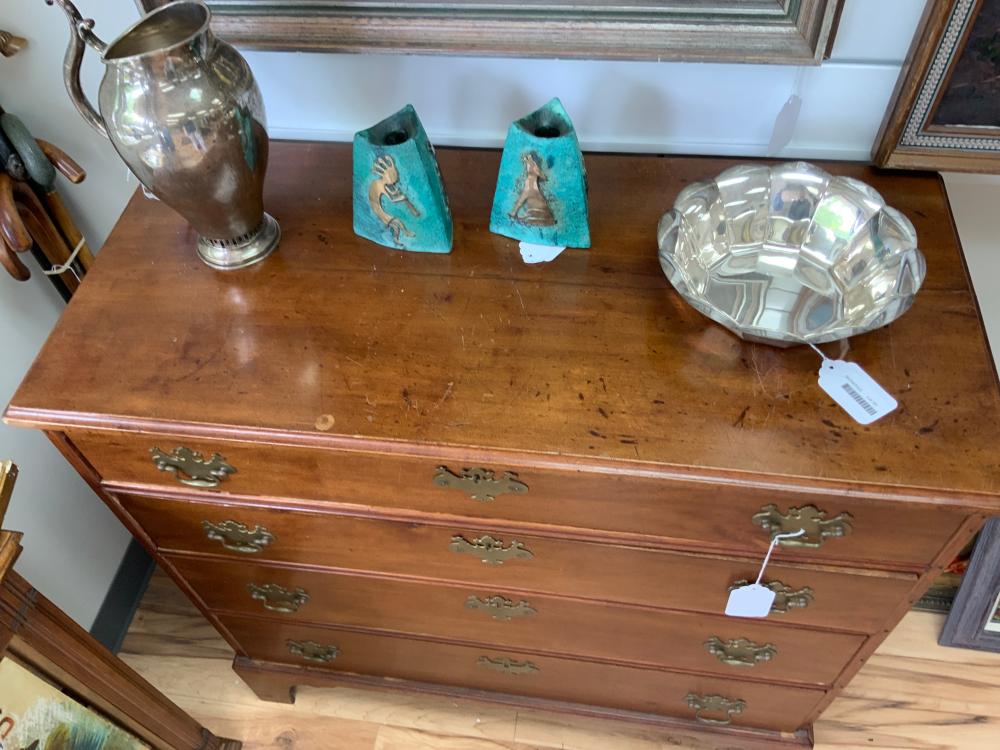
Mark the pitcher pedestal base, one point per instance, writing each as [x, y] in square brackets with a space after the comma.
[241, 252]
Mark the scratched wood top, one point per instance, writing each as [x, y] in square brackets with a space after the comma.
[592, 357]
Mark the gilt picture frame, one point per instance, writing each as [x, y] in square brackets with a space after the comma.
[945, 111]
[974, 621]
[756, 31]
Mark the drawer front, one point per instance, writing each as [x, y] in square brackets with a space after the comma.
[838, 600]
[648, 690]
[735, 648]
[696, 514]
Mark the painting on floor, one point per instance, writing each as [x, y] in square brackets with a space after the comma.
[34, 715]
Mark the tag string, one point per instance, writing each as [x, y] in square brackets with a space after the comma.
[818, 350]
[68, 265]
[774, 542]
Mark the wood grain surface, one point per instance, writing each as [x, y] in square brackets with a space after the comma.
[912, 695]
[420, 551]
[591, 357]
[555, 626]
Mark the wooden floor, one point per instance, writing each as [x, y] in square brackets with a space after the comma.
[912, 694]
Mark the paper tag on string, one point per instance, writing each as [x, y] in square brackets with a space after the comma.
[755, 600]
[532, 253]
[855, 391]
[750, 601]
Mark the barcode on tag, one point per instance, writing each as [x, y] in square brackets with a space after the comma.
[855, 391]
[869, 409]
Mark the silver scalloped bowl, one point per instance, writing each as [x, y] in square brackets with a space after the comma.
[790, 253]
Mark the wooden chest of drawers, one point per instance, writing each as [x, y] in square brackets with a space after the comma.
[531, 484]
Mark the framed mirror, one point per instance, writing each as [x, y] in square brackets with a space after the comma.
[756, 31]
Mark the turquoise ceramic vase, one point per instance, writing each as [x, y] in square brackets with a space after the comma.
[541, 194]
[399, 198]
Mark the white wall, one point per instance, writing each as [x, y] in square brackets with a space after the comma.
[73, 543]
[645, 106]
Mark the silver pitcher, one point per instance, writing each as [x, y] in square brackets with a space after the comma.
[183, 111]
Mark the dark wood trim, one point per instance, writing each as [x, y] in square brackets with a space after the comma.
[276, 682]
[59, 649]
[123, 597]
[977, 596]
[782, 31]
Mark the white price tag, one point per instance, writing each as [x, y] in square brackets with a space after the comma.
[750, 601]
[855, 391]
[756, 600]
[532, 253]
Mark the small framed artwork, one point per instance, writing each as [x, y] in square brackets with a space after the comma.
[35, 715]
[945, 112]
[974, 621]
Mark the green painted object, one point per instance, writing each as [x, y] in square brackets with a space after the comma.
[399, 198]
[541, 194]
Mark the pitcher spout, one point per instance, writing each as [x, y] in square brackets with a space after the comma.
[81, 35]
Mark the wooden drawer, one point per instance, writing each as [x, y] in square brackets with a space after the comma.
[695, 514]
[855, 601]
[631, 688]
[528, 621]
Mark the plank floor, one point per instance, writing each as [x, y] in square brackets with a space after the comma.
[912, 694]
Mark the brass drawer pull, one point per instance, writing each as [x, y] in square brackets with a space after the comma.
[500, 608]
[714, 704]
[507, 665]
[237, 537]
[312, 651]
[739, 652]
[785, 597]
[817, 526]
[489, 549]
[277, 598]
[190, 467]
[480, 484]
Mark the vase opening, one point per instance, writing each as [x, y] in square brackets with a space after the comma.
[395, 137]
[167, 27]
[547, 131]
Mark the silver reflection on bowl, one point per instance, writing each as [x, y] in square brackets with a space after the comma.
[788, 254]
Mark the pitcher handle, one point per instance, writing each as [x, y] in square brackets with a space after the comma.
[81, 34]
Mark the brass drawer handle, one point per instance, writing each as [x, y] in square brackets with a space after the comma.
[817, 526]
[785, 597]
[740, 652]
[480, 484]
[489, 549]
[507, 665]
[500, 608]
[714, 704]
[312, 651]
[237, 537]
[190, 467]
[277, 598]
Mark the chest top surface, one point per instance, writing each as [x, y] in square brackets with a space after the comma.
[592, 358]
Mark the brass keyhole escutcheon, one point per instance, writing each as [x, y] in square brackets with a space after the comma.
[480, 484]
[716, 710]
[490, 549]
[818, 528]
[191, 468]
[277, 598]
[238, 537]
[500, 607]
[740, 652]
[312, 651]
[507, 665]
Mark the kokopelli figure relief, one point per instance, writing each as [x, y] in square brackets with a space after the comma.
[532, 207]
[386, 183]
